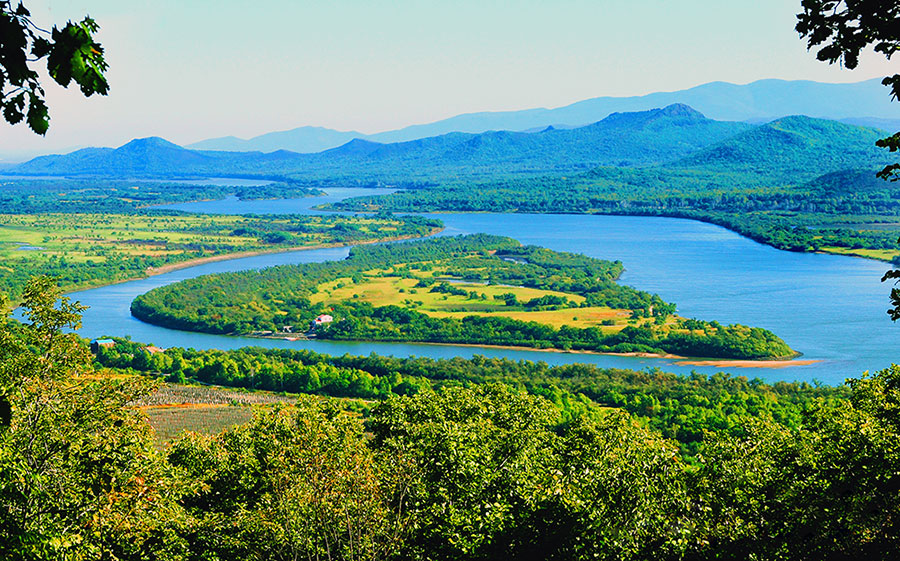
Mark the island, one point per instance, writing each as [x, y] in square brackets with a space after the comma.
[476, 289]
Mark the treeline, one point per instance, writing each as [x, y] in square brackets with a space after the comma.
[680, 407]
[831, 210]
[362, 321]
[31, 196]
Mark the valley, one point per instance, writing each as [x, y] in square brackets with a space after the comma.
[449, 282]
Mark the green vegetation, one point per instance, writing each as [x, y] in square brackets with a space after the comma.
[798, 184]
[467, 473]
[32, 196]
[71, 54]
[683, 408]
[288, 299]
[90, 249]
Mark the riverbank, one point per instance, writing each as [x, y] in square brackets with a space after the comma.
[678, 359]
[152, 271]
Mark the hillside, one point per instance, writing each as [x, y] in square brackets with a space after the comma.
[864, 103]
[793, 149]
[639, 138]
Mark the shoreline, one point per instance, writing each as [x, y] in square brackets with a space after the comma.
[678, 359]
[589, 213]
[155, 271]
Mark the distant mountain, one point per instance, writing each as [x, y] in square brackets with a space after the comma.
[794, 148]
[622, 139]
[303, 139]
[889, 125]
[788, 150]
[864, 103]
[638, 138]
[149, 157]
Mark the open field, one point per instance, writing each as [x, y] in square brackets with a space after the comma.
[879, 254]
[90, 249]
[482, 300]
[169, 421]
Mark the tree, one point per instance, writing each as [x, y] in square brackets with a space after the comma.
[71, 54]
[79, 477]
[841, 30]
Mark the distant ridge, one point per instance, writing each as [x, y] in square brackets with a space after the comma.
[865, 103]
[636, 138]
[675, 137]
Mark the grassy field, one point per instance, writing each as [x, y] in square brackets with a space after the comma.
[169, 421]
[380, 290]
[880, 254]
[91, 249]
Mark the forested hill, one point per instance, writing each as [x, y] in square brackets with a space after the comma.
[151, 157]
[640, 138]
[793, 149]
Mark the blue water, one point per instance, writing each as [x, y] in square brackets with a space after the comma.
[830, 308]
[232, 205]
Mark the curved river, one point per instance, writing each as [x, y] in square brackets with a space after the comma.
[830, 308]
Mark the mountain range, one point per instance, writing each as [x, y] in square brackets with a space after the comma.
[786, 150]
[864, 103]
[622, 139]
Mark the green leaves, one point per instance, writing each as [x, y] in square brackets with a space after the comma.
[72, 56]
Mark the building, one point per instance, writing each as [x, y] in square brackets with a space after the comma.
[97, 343]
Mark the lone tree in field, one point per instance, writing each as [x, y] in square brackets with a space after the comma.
[71, 55]
[840, 31]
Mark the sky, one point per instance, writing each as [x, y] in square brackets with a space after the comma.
[188, 70]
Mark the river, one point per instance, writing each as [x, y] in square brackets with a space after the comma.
[830, 308]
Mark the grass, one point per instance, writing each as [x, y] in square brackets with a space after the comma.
[380, 290]
[880, 254]
[91, 249]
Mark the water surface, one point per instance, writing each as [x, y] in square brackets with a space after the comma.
[830, 308]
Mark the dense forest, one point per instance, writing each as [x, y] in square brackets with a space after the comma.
[467, 471]
[681, 407]
[283, 300]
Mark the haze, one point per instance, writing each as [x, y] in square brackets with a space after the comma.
[193, 70]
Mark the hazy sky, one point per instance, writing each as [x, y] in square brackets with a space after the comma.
[193, 69]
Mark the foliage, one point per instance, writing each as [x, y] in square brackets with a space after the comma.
[293, 483]
[466, 473]
[683, 408]
[79, 478]
[72, 56]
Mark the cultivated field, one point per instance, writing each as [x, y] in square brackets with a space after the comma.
[174, 409]
[91, 249]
